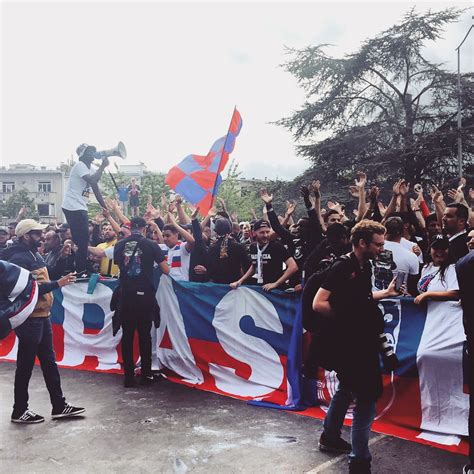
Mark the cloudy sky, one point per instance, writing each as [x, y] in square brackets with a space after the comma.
[164, 77]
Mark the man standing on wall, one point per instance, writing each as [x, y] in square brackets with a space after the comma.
[81, 181]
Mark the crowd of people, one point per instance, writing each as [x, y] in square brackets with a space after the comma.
[418, 244]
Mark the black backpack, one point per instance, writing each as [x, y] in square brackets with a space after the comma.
[311, 319]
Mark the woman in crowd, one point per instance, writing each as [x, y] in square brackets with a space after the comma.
[439, 361]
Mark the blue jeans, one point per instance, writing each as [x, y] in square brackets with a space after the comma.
[364, 413]
[35, 338]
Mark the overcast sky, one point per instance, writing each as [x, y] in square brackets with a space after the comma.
[164, 77]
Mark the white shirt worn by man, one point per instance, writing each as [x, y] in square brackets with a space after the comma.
[408, 244]
[405, 260]
[178, 259]
[77, 188]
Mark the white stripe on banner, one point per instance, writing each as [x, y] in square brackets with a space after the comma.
[20, 284]
[20, 318]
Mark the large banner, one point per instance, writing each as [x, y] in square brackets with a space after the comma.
[246, 344]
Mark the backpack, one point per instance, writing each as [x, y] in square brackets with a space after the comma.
[312, 319]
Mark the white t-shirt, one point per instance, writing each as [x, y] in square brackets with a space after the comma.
[440, 358]
[408, 244]
[394, 259]
[430, 279]
[77, 188]
[178, 259]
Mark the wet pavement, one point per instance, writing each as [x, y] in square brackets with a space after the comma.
[170, 428]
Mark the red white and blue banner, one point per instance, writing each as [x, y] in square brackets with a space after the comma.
[247, 344]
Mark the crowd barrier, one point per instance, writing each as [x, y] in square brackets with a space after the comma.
[247, 344]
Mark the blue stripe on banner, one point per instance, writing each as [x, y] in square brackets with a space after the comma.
[197, 302]
[411, 330]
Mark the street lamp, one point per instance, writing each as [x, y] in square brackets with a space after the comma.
[458, 49]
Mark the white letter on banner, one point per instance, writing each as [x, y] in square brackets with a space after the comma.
[180, 358]
[78, 345]
[267, 371]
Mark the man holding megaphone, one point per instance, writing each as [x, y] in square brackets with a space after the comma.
[81, 181]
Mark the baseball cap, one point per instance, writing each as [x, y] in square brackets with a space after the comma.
[440, 241]
[137, 223]
[4, 229]
[260, 224]
[222, 226]
[27, 225]
[81, 149]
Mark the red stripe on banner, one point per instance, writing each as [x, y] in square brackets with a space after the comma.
[92, 331]
[6, 344]
[398, 412]
[206, 352]
[166, 341]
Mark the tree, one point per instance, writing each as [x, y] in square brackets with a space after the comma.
[385, 109]
[237, 200]
[15, 202]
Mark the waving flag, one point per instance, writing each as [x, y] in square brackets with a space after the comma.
[197, 178]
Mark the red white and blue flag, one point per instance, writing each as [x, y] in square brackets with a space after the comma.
[198, 178]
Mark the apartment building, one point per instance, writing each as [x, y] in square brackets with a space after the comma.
[45, 186]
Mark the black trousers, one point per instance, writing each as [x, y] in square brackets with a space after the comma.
[35, 338]
[79, 223]
[470, 376]
[144, 339]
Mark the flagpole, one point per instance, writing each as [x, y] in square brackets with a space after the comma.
[220, 160]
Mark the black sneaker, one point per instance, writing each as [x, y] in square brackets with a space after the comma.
[146, 380]
[67, 412]
[129, 382]
[468, 469]
[337, 446]
[27, 417]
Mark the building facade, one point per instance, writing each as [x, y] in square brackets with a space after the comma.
[45, 186]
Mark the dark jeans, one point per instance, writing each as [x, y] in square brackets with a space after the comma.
[79, 223]
[35, 338]
[143, 327]
[364, 413]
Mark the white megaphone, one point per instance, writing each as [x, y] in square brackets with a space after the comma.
[119, 150]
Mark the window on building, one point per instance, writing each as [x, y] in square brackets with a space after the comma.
[8, 187]
[43, 210]
[44, 187]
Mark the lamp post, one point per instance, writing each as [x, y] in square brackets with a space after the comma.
[458, 49]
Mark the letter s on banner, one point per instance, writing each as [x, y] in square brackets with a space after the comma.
[267, 371]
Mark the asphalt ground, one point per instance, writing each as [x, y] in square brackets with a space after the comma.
[169, 428]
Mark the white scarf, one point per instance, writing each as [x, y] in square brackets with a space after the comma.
[259, 273]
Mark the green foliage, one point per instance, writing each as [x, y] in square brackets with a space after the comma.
[238, 200]
[15, 202]
[153, 184]
[384, 109]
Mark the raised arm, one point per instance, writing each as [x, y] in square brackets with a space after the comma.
[392, 205]
[182, 216]
[284, 234]
[94, 178]
[184, 233]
